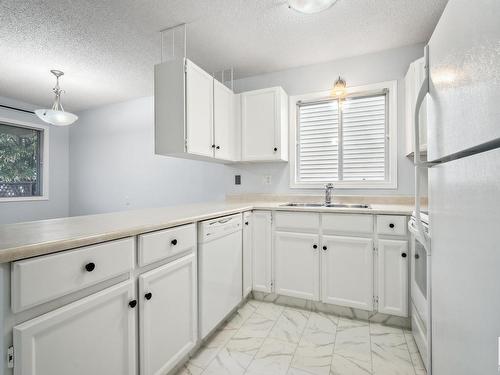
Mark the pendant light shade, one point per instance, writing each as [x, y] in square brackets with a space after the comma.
[56, 115]
[310, 6]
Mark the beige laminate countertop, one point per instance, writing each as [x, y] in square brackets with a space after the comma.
[24, 240]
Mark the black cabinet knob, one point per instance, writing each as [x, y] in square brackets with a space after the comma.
[218, 147]
[315, 246]
[275, 149]
[391, 225]
[132, 303]
[403, 255]
[90, 267]
[148, 295]
[325, 248]
[174, 242]
[246, 222]
[213, 146]
[417, 256]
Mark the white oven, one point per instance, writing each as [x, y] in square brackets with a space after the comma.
[420, 288]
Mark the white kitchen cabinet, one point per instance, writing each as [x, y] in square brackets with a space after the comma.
[247, 252]
[264, 125]
[224, 123]
[194, 114]
[168, 315]
[296, 265]
[199, 111]
[347, 271]
[413, 81]
[393, 277]
[262, 255]
[94, 335]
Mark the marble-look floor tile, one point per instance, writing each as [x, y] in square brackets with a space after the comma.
[390, 355]
[352, 353]
[210, 349]
[314, 353]
[256, 326]
[416, 359]
[228, 362]
[323, 322]
[189, 369]
[241, 315]
[290, 325]
[273, 358]
[270, 310]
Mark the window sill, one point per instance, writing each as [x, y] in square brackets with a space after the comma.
[24, 199]
[346, 185]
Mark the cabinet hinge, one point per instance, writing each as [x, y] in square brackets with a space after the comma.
[375, 302]
[375, 249]
[10, 357]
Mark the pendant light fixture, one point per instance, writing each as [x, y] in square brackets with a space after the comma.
[310, 6]
[339, 89]
[56, 115]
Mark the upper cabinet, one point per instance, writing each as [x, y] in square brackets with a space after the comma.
[413, 81]
[264, 125]
[198, 117]
[194, 113]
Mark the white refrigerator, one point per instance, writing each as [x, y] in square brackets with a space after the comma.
[463, 124]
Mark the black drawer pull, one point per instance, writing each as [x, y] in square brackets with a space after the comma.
[132, 303]
[174, 242]
[315, 246]
[246, 222]
[403, 255]
[148, 296]
[325, 248]
[89, 267]
[275, 149]
[391, 225]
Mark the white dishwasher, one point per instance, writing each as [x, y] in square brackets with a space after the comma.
[219, 270]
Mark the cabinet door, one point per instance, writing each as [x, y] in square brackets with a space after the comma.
[247, 252]
[168, 313]
[296, 259]
[95, 335]
[393, 277]
[224, 122]
[347, 271]
[199, 110]
[262, 244]
[260, 121]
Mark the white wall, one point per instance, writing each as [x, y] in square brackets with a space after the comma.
[113, 166]
[57, 204]
[382, 66]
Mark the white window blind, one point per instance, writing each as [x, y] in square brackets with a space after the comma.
[344, 141]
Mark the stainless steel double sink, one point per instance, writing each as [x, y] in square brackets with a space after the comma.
[330, 205]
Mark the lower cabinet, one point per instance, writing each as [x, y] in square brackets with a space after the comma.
[247, 252]
[168, 314]
[296, 264]
[393, 277]
[347, 271]
[94, 335]
[262, 247]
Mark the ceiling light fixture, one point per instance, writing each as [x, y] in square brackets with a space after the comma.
[56, 115]
[339, 89]
[310, 6]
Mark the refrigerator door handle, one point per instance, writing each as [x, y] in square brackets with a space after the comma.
[424, 89]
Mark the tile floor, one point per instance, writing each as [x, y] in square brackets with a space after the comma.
[264, 338]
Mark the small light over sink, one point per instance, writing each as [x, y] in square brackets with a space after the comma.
[331, 205]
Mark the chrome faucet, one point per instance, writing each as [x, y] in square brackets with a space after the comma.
[328, 193]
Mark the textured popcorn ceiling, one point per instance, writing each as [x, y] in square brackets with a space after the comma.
[107, 48]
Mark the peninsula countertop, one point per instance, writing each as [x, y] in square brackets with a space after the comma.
[29, 239]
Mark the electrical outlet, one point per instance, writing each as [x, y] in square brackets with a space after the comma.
[267, 180]
[237, 179]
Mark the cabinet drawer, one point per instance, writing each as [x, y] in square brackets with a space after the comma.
[166, 243]
[42, 279]
[297, 221]
[388, 224]
[347, 223]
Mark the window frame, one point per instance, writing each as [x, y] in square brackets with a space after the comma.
[392, 137]
[44, 162]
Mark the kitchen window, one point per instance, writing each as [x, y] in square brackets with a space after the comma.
[23, 151]
[350, 142]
